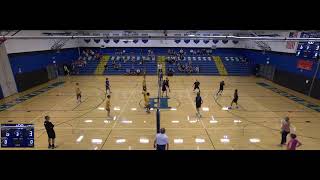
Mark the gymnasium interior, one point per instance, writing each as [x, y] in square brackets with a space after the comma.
[276, 73]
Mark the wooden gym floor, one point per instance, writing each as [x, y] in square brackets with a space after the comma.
[254, 126]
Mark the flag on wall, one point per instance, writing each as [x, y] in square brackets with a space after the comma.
[304, 64]
[292, 44]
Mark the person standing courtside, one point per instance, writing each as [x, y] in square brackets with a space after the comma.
[293, 143]
[161, 142]
[285, 130]
[50, 131]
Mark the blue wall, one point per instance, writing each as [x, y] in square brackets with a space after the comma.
[40, 59]
[282, 61]
[30, 61]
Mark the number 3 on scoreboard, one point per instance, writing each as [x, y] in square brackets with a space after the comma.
[30, 133]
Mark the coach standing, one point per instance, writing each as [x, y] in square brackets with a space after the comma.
[161, 142]
[50, 131]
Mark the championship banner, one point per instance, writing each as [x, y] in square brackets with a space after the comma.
[304, 64]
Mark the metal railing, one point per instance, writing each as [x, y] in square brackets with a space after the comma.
[239, 38]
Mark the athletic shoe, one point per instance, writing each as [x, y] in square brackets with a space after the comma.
[49, 147]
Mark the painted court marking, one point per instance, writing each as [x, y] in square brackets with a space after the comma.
[292, 97]
[19, 100]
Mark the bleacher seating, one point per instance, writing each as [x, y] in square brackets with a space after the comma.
[205, 64]
[131, 63]
[236, 66]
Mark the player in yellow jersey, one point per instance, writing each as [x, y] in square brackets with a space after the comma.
[78, 93]
[144, 83]
[108, 105]
[146, 101]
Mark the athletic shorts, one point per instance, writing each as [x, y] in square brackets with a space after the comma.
[235, 100]
[51, 134]
[78, 96]
[161, 147]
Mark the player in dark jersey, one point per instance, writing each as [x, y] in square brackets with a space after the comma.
[198, 104]
[161, 76]
[196, 85]
[50, 131]
[220, 88]
[108, 86]
[235, 98]
[165, 87]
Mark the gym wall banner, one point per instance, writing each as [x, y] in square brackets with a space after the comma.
[304, 64]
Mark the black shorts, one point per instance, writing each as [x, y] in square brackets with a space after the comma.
[235, 100]
[198, 106]
[78, 96]
[164, 88]
[144, 88]
[51, 134]
[220, 89]
[161, 147]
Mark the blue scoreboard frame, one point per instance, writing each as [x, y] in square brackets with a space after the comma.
[309, 50]
[17, 135]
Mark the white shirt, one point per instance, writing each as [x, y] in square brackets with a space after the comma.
[162, 139]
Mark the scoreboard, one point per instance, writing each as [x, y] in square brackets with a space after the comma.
[17, 135]
[309, 49]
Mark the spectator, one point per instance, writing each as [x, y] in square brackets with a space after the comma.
[197, 69]
[293, 143]
[161, 142]
[285, 130]
[138, 71]
[127, 71]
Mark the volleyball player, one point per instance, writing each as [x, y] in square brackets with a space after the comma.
[235, 98]
[198, 104]
[108, 105]
[161, 76]
[50, 131]
[220, 88]
[196, 85]
[108, 91]
[78, 93]
[144, 83]
[146, 102]
[165, 87]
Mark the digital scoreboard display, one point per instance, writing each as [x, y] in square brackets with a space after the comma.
[309, 49]
[17, 135]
